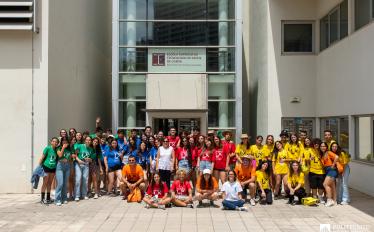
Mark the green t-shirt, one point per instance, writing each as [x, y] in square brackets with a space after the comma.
[67, 153]
[84, 151]
[50, 160]
[92, 136]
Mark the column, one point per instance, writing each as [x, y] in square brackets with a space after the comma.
[131, 106]
[223, 107]
[131, 35]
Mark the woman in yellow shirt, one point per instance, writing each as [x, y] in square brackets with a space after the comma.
[268, 148]
[305, 162]
[242, 149]
[316, 172]
[295, 184]
[294, 148]
[257, 149]
[280, 167]
[264, 182]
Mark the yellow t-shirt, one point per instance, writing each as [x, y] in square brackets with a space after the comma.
[257, 152]
[301, 144]
[344, 158]
[295, 179]
[293, 151]
[329, 144]
[281, 166]
[241, 150]
[267, 151]
[263, 179]
[306, 153]
[316, 165]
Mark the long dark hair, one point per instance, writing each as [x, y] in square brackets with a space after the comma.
[188, 148]
[98, 147]
[132, 146]
[259, 167]
[275, 150]
[338, 151]
[161, 184]
[297, 139]
[248, 145]
[203, 182]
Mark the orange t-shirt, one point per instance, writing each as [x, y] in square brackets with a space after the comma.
[328, 160]
[133, 174]
[243, 173]
[206, 187]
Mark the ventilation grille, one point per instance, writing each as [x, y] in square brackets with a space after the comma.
[16, 15]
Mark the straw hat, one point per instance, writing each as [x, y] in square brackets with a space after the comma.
[244, 136]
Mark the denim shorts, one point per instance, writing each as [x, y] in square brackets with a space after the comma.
[331, 172]
[205, 165]
[184, 165]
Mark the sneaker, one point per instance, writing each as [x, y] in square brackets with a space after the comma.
[146, 206]
[200, 205]
[213, 205]
[96, 196]
[44, 202]
[48, 201]
[58, 203]
[344, 203]
[76, 199]
[243, 209]
[329, 203]
[65, 202]
[190, 206]
[252, 202]
[321, 200]
[86, 198]
[161, 207]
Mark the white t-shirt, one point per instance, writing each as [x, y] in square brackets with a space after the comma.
[231, 190]
[164, 162]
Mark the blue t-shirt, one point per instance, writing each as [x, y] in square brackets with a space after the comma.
[104, 148]
[152, 154]
[113, 157]
[142, 158]
[127, 154]
[121, 144]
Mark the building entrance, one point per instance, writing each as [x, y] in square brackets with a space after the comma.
[181, 124]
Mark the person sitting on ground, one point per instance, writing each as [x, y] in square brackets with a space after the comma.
[157, 193]
[181, 191]
[264, 182]
[231, 194]
[206, 188]
[295, 183]
[246, 173]
[132, 177]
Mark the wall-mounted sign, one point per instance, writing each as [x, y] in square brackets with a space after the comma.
[176, 60]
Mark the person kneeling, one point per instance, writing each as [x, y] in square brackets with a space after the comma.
[157, 193]
[295, 184]
[132, 184]
[181, 191]
[246, 173]
[263, 183]
[206, 188]
[232, 197]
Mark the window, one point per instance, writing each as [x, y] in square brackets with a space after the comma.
[297, 37]
[363, 13]
[339, 129]
[334, 26]
[298, 124]
[364, 138]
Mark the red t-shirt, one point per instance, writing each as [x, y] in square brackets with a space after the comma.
[219, 158]
[179, 188]
[194, 156]
[173, 141]
[157, 190]
[229, 147]
[206, 155]
[182, 153]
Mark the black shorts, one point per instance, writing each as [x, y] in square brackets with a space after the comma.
[316, 180]
[114, 168]
[48, 170]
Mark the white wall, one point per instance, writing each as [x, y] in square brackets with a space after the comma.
[79, 64]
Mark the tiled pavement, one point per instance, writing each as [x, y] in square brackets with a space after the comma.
[23, 213]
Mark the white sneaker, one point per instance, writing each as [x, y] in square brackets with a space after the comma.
[243, 209]
[252, 202]
[65, 202]
[344, 203]
[162, 207]
[321, 200]
[86, 198]
[58, 204]
[96, 196]
[77, 199]
[329, 203]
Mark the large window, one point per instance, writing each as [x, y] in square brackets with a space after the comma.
[339, 128]
[334, 26]
[297, 37]
[364, 138]
[364, 12]
[299, 124]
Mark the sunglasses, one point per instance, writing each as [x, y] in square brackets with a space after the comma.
[131, 161]
[165, 141]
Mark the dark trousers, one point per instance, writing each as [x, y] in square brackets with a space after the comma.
[300, 193]
[268, 199]
[231, 205]
[165, 176]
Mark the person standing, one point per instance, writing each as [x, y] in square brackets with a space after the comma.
[64, 162]
[165, 161]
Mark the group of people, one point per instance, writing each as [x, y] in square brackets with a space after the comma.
[162, 170]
